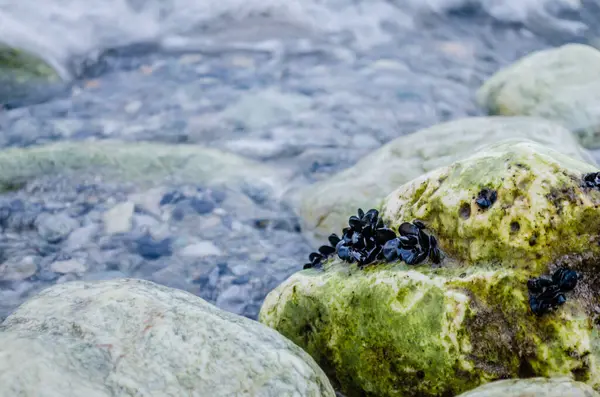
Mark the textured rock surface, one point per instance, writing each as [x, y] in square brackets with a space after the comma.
[542, 213]
[538, 387]
[132, 161]
[325, 206]
[131, 338]
[391, 330]
[561, 84]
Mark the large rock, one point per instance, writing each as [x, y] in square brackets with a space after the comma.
[135, 338]
[561, 84]
[325, 206]
[140, 162]
[534, 387]
[21, 73]
[391, 329]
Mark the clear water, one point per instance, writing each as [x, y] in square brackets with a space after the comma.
[309, 86]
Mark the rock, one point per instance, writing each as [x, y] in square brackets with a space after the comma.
[68, 266]
[55, 227]
[149, 248]
[132, 336]
[119, 219]
[141, 162]
[18, 270]
[149, 200]
[202, 206]
[22, 74]
[201, 249]
[324, 207]
[392, 329]
[81, 237]
[538, 387]
[560, 84]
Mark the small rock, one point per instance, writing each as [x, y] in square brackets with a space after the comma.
[149, 248]
[18, 270]
[202, 206]
[133, 107]
[80, 237]
[68, 266]
[54, 228]
[201, 249]
[149, 200]
[119, 219]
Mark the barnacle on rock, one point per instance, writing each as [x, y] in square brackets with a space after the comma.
[546, 294]
[368, 239]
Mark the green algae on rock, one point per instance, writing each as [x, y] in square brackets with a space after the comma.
[324, 206]
[21, 72]
[392, 331]
[138, 162]
[538, 387]
[560, 84]
[541, 214]
[396, 330]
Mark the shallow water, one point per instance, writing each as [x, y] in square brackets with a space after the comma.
[307, 86]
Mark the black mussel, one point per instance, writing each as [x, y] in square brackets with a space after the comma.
[372, 216]
[486, 198]
[420, 257]
[315, 256]
[390, 250]
[355, 223]
[343, 252]
[333, 239]
[357, 255]
[326, 250]
[423, 240]
[380, 224]
[358, 240]
[419, 224]
[361, 213]
[592, 179]
[367, 231]
[383, 235]
[408, 241]
[408, 255]
[566, 279]
[435, 255]
[537, 285]
[408, 229]
[372, 255]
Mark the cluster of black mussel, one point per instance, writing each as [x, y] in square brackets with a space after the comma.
[367, 239]
[546, 294]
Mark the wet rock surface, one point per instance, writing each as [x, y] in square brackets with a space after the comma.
[123, 337]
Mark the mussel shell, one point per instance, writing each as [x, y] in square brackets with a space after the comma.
[314, 256]
[361, 213]
[383, 235]
[566, 279]
[424, 240]
[358, 240]
[390, 250]
[420, 257]
[537, 285]
[326, 250]
[408, 241]
[367, 231]
[408, 255]
[307, 266]
[333, 239]
[372, 216]
[355, 223]
[435, 255]
[419, 224]
[358, 255]
[343, 252]
[432, 242]
[408, 229]
[372, 255]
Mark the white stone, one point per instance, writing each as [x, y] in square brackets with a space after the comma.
[68, 266]
[119, 219]
[135, 338]
[201, 249]
[17, 271]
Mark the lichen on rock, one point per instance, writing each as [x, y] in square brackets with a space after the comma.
[391, 329]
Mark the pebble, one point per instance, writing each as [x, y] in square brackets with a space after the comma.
[68, 266]
[54, 228]
[201, 249]
[119, 219]
[149, 248]
[79, 238]
[202, 206]
[149, 200]
[18, 270]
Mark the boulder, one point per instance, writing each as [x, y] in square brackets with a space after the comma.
[538, 387]
[142, 162]
[22, 73]
[135, 338]
[390, 329]
[560, 84]
[325, 206]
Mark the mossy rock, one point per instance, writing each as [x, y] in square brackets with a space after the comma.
[325, 205]
[538, 387]
[398, 330]
[542, 212]
[22, 73]
[137, 162]
[560, 84]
